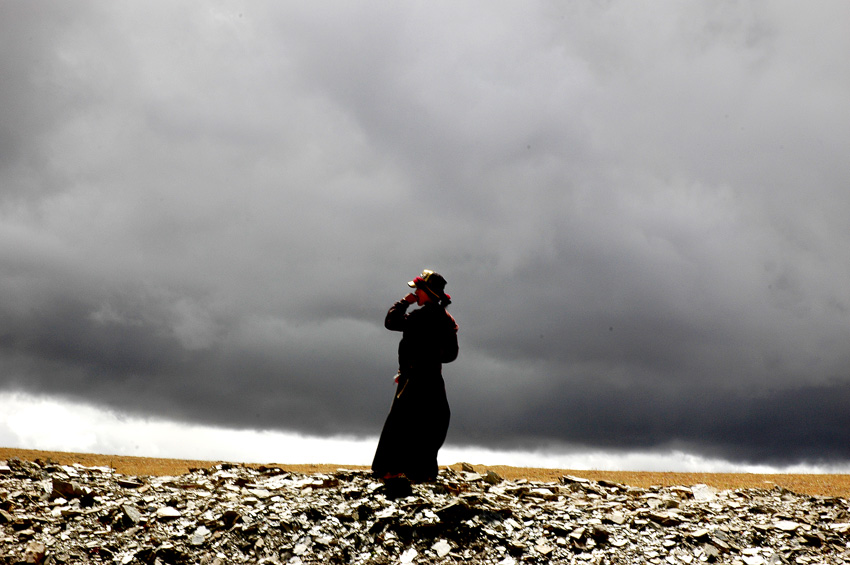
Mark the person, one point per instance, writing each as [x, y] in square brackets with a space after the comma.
[418, 421]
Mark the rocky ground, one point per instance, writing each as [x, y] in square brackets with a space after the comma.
[52, 513]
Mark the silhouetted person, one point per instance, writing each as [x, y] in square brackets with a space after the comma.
[416, 426]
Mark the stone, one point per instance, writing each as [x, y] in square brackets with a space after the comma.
[200, 536]
[131, 513]
[703, 493]
[130, 482]
[66, 489]
[665, 518]
[599, 534]
[237, 514]
[441, 548]
[34, 552]
[711, 552]
[786, 525]
[492, 478]
[167, 513]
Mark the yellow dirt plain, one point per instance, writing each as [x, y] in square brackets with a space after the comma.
[810, 484]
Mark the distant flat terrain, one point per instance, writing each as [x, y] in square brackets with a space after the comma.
[811, 484]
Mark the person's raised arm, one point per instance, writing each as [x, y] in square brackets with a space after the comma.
[397, 312]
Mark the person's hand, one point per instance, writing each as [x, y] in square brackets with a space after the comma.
[410, 298]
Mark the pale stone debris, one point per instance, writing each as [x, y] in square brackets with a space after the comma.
[57, 514]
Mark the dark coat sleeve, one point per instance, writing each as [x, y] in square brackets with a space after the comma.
[396, 315]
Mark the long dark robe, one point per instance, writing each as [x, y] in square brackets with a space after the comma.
[418, 421]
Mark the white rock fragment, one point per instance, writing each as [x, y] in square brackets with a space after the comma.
[408, 556]
[543, 549]
[441, 548]
[167, 512]
[300, 549]
[70, 471]
[200, 536]
[703, 493]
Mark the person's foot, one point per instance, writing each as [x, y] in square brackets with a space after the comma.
[397, 487]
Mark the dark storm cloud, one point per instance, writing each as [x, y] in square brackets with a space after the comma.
[206, 211]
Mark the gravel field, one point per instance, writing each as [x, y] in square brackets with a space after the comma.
[60, 508]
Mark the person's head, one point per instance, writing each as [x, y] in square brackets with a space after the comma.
[422, 297]
[431, 285]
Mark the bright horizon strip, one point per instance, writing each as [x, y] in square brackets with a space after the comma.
[51, 424]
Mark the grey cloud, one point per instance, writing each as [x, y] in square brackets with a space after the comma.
[641, 214]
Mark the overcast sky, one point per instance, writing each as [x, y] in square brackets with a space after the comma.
[641, 209]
